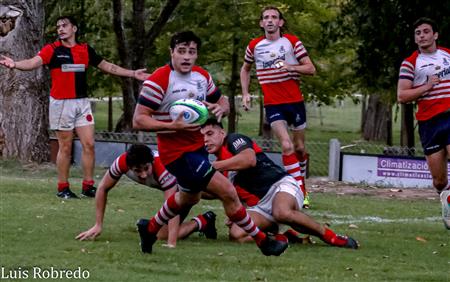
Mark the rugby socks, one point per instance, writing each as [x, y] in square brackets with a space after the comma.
[292, 166]
[87, 184]
[200, 220]
[62, 186]
[331, 238]
[169, 210]
[243, 220]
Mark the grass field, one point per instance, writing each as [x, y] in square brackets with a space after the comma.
[401, 240]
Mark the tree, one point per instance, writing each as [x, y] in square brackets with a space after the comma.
[132, 48]
[24, 95]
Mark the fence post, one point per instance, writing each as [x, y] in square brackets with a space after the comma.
[140, 137]
[333, 159]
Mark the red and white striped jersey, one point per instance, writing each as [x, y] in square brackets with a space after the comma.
[278, 86]
[160, 90]
[159, 177]
[417, 68]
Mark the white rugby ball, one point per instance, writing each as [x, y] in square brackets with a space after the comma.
[193, 111]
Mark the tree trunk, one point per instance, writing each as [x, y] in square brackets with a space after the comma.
[24, 95]
[140, 43]
[363, 112]
[378, 122]
[129, 102]
[407, 126]
[233, 85]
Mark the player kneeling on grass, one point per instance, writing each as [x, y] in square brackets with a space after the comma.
[281, 197]
[142, 165]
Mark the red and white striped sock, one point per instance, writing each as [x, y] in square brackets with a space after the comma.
[292, 166]
[169, 210]
[200, 220]
[244, 221]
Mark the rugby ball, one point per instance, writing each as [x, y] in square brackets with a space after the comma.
[193, 111]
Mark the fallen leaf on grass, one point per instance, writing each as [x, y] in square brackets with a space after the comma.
[396, 190]
[421, 239]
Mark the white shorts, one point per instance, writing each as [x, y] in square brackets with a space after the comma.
[288, 185]
[67, 114]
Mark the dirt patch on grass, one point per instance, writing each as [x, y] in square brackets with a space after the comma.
[323, 185]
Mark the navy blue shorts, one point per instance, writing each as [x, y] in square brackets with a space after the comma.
[294, 114]
[435, 133]
[192, 170]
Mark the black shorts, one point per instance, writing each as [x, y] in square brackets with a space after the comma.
[294, 114]
[192, 170]
[435, 133]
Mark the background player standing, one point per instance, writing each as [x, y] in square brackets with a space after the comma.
[280, 59]
[70, 107]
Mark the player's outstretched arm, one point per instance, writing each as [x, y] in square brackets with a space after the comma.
[29, 64]
[113, 69]
[100, 204]
[243, 160]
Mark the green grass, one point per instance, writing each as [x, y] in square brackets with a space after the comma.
[101, 114]
[38, 229]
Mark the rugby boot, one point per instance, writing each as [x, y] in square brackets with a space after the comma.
[147, 238]
[89, 191]
[209, 229]
[67, 194]
[344, 242]
[273, 247]
[445, 201]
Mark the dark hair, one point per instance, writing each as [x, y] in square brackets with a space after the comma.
[73, 21]
[212, 121]
[280, 14]
[271, 8]
[138, 154]
[425, 20]
[185, 37]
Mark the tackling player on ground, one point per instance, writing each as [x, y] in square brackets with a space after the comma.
[281, 198]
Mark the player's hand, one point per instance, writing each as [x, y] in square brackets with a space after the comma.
[7, 62]
[179, 124]
[282, 65]
[246, 98]
[140, 74]
[215, 109]
[432, 81]
[90, 234]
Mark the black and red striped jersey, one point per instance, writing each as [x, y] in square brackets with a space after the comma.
[68, 68]
[256, 180]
